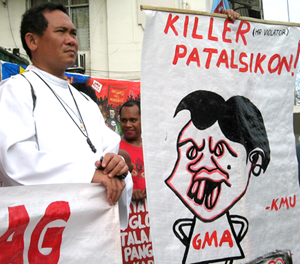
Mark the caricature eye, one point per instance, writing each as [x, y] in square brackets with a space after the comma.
[219, 150]
[192, 153]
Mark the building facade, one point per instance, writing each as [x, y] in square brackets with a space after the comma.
[110, 32]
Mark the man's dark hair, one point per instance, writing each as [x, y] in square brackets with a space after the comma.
[239, 119]
[34, 21]
[131, 103]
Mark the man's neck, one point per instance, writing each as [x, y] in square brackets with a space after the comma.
[59, 73]
[136, 142]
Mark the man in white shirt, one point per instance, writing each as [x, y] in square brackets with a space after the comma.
[51, 133]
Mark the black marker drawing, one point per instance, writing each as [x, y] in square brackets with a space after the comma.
[222, 145]
[277, 257]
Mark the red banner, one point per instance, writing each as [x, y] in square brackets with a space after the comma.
[111, 94]
[136, 241]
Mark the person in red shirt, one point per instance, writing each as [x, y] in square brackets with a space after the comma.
[130, 117]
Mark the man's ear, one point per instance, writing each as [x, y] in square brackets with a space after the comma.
[31, 41]
[256, 157]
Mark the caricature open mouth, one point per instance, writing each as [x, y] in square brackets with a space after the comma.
[205, 192]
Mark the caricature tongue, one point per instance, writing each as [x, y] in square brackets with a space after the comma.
[205, 192]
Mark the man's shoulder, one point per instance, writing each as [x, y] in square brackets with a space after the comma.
[18, 88]
[16, 80]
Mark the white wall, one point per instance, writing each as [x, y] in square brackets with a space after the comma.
[278, 10]
[116, 49]
[98, 65]
[116, 33]
[10, 15]
[125, 38]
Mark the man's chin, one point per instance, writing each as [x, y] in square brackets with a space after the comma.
[70, 63]
[69, 60]
[129, 136]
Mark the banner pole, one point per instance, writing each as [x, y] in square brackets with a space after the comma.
[197, 12]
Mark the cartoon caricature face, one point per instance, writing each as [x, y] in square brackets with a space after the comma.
[211, 173]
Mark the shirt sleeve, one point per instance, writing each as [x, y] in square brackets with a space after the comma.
[124, 202]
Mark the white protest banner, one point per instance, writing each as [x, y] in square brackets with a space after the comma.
[219, 149]
[66, 223]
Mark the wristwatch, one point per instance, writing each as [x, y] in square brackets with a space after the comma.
[122, 176]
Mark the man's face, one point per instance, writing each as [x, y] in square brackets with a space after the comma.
[131, 123]
[57, 48]
[211, 173]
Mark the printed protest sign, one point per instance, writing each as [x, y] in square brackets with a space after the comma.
[66, 223]
[136, 239]
[217, 112]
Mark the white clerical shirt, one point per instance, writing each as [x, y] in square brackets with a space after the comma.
[41, 144]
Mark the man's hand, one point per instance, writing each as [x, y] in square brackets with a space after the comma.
[231, 14]
[114, 186]
[112, 165]
[138, 195]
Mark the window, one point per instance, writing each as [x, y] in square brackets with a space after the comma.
[249, 8]
[78, 11]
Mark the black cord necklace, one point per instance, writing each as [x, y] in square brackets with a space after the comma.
[79, 117]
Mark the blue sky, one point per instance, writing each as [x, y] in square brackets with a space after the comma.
[277, 10]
